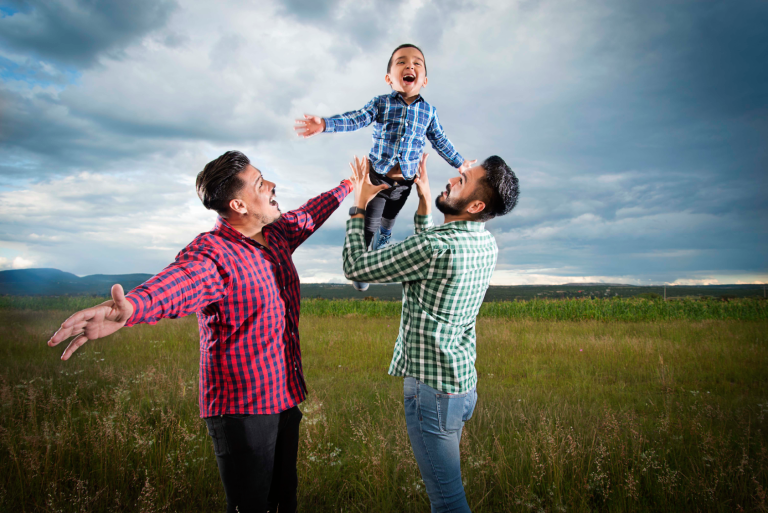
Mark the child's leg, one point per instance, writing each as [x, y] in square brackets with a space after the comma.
[397, 199]
[373, 217]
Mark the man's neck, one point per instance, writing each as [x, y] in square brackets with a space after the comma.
[451, 219]
[248, 226]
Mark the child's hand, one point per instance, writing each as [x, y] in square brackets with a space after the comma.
[466, 165]
[309, 126]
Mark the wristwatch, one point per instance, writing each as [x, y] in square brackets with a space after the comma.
[356, 210]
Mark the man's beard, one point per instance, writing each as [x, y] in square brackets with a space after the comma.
[449, 207]
[265, 220]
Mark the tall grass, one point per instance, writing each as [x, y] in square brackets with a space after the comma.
[572, 416]
[631, 309]
[615, 309]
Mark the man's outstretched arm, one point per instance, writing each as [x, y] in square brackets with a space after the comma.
[195, 279]
[96, 322]
[299, 224]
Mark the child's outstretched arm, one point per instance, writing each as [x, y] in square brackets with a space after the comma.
[444, 147]
[347, 122]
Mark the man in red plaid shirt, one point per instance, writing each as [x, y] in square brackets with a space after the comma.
[240, 280]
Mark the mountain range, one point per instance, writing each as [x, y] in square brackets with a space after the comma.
[53, 282]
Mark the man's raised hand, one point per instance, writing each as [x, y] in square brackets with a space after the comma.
[95, 322]
[422, 188]
[364, 190]
[466, 165]
[309, 126]
[422, 180]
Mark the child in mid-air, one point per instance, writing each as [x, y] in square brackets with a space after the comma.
[400, 120]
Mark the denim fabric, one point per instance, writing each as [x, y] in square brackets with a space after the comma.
[435, 420]
[256, 455]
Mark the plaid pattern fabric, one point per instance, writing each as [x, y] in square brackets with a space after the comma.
[398, 132]
[246, 298]
[445, 272]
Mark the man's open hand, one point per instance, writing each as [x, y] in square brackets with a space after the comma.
[466, 165]
[95, 322]
[422, 188]
[309, 126]
[422, 180]
[364, 190]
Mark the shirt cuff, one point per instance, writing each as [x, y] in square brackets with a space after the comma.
[457, 161]
[355, 224]
[138, 309]
[330, 125]
[420, 221]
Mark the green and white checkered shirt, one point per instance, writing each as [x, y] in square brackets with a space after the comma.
[445, 271]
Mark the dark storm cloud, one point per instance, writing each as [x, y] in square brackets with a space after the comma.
[77, 32]
[677, 112]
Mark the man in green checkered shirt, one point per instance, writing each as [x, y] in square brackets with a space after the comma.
[445, 271]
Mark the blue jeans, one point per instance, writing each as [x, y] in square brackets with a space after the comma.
[434, 420]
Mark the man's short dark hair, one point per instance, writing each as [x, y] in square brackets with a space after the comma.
[498, 189]
[406, 45]
[218, 182]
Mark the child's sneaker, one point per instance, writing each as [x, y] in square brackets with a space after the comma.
[380, 239]
[360, 286]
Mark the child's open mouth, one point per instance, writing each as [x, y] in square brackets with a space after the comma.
[409, 78]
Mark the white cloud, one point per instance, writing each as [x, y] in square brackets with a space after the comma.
[18, 262]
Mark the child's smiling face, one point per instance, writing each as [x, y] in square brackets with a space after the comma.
[407, 73]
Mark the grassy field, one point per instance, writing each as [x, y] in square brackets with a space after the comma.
[590, 415]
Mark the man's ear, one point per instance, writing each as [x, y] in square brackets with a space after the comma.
[238, 206]
[475, 207]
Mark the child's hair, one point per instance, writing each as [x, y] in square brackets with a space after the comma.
[406, 45]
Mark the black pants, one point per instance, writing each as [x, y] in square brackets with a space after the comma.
[387, 204]
[256, 455]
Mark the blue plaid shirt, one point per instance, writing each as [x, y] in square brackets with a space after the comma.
[398, 132]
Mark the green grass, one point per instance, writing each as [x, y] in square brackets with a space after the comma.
[616, 309]
[572, 416]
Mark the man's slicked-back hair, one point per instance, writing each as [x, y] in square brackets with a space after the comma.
[498, 189]
[406, 45]
[218, 182]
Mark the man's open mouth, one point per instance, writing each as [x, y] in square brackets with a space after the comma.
[409, 78]
[273, 202]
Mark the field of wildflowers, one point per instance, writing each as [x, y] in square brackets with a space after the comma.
[596, 415]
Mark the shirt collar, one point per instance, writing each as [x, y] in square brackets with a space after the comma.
[225, 229]
[465, 226]
[395, 94]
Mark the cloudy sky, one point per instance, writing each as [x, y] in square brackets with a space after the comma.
[638, 129]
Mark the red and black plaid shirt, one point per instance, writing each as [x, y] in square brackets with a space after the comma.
[247, 300]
